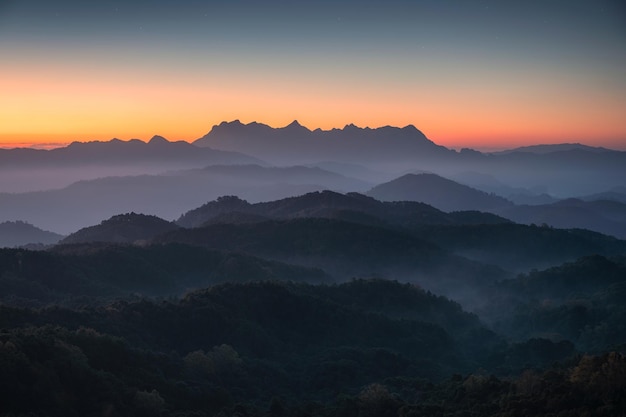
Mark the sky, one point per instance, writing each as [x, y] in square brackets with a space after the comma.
[467, 73]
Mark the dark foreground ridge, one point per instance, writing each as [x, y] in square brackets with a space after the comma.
[384, 347]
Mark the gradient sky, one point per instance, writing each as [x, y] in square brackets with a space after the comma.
[483, 74]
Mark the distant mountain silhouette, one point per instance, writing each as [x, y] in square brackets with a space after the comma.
[437, 191]
[371, 155]
[19, 233]
[608, 217]
[562, 174]
[33, 170]
[298, 144]
[491, 185]
[559, 147]
[562, 170]
[614, 194]
[353, 207]
[117, 152]
[167, 195]
[123, 228]
[251, 173]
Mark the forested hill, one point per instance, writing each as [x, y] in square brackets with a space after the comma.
[329, 204]
[215, 350]
[98, 273]
[123, 228]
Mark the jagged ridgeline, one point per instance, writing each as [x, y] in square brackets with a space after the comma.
[65, 189]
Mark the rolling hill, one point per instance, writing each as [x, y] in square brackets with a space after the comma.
[122, 228]
[23, 170]
[19, 233]
[354, 207]
[438, 192]
[166, 195]
[604, 216]
[345, 250]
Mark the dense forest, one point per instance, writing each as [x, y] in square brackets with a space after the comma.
[320, 305]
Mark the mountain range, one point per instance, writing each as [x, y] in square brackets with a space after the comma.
[24, 169]
[298, 144]
[561, 170]
[371, 155]
[351, 235]
[77, 183]
[170, 194]
[166, 195]
[440, 301]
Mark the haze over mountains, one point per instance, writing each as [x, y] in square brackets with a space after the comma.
[84, 183]
[26, 169]
[562, 170]
[345, 266]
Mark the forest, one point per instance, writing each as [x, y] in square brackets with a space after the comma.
[324, 304]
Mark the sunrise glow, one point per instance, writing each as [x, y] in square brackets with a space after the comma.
[513, 82]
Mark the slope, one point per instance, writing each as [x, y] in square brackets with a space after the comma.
[122, 228]
[18, 233]
[437, 191]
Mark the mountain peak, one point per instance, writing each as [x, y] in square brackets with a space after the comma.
[295, 123]
[156, 139]
[439, 192]
[295, 126]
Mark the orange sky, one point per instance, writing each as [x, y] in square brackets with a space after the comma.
[494, 81]
[62, 106]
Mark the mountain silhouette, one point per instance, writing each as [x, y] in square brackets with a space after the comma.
[559, 147]
[437, 191]
[614, 194]
[37, 169]
[166, 195]
[123, 228]
[371, 155]
[19, 233]
[353, 207]
[604, 216]
[118, 152]
[297, 144]
[562, 170]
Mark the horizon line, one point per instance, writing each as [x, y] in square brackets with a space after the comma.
[487, 148]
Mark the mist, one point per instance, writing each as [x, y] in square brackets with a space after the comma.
[367, 262]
